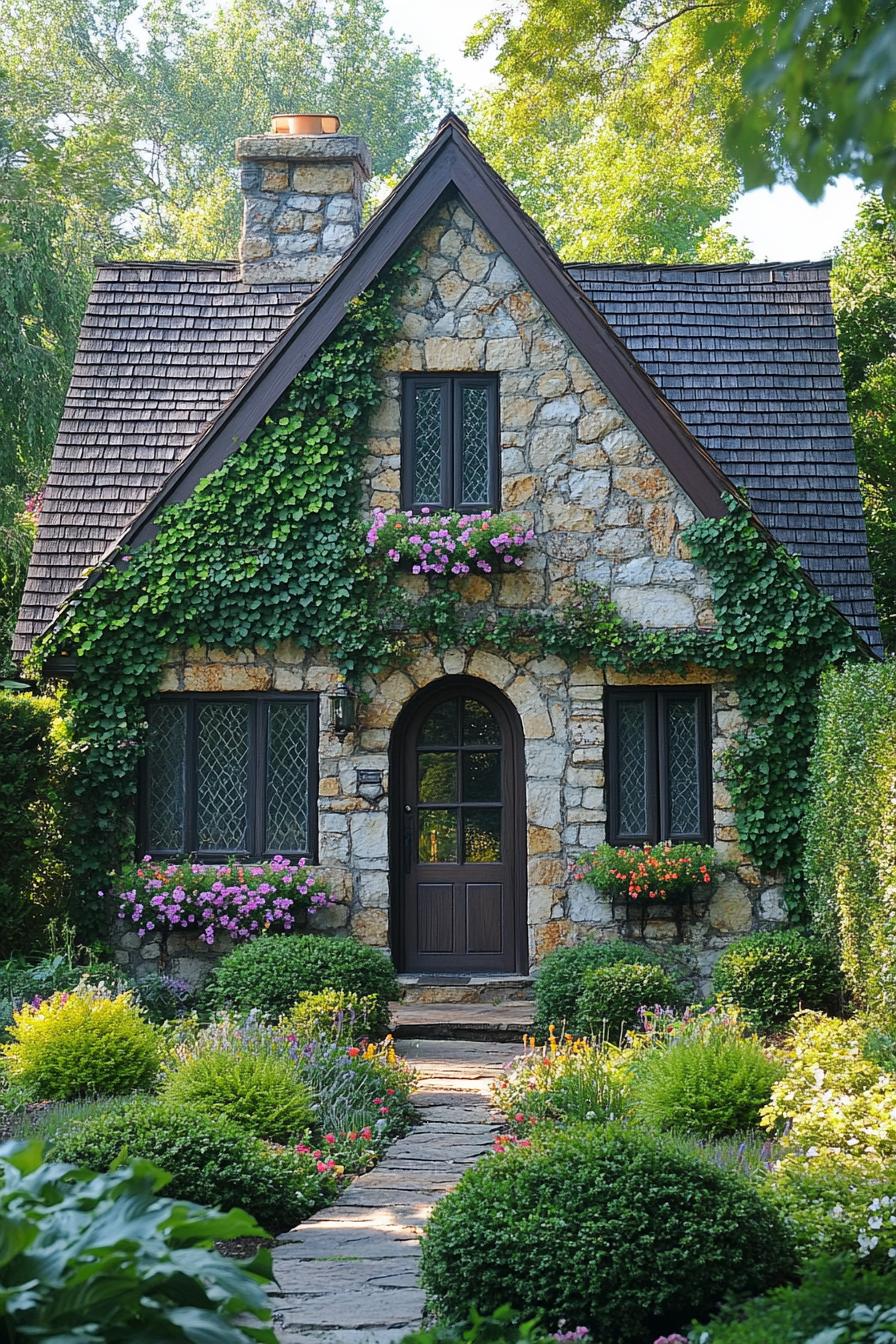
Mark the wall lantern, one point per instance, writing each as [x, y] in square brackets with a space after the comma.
[342, 710]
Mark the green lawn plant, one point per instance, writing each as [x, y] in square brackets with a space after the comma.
[807, 1312]
[613, 996]
[269, 975]
[712, 1084]
[210, 1160]
[604, 1227]
[259, 1090]
[558, 985]
[107, 1257]
[770, 976]
[80, 1043]
[331, 1014]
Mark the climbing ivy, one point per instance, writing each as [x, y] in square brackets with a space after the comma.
[271, 547]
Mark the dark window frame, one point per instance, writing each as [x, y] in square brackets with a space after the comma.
[451, 386]
[656, 700]
[256, 780]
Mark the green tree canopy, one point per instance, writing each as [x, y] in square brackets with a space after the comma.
[863, 285]
[815, 80]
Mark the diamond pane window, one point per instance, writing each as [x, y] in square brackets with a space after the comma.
[683, 764]
[286, 784]
[166, 758]
[428, 445]
[475, 459]
[658, 765]
[449, 442]
[230, 775]
[222, 777]
[632, 767]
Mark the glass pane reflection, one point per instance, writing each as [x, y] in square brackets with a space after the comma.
[482, 835]
[437, 835]
[482, 776]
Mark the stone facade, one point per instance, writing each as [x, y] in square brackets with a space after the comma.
[603, 508]
[302, 199]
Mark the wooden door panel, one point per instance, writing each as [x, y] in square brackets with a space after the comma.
[435, 917]
[484, 905]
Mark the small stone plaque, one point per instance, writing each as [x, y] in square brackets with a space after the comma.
[370, 777]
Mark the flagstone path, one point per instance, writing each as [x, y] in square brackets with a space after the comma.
[349, 1274]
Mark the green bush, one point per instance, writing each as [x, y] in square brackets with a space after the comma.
[211, 1161]
[27, 783]
[331, 1014]
[796, 1313]
[499, 1327]
[270, 973]
[713, 1085]
[260, 1091]
[75, 1044]
[770, 976]
[838, 1208]
[106, 1258]
[558, 984]
[611, 996]
[601, 1227]
[851, 828]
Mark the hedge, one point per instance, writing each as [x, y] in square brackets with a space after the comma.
[851, 828]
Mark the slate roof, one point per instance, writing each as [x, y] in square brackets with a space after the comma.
[747, 354]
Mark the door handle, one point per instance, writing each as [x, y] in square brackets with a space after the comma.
[407, 837]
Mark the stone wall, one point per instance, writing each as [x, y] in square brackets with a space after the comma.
[604, 509]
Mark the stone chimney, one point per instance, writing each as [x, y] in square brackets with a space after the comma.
[302, 196]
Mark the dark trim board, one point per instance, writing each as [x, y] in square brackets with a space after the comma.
[450, 163]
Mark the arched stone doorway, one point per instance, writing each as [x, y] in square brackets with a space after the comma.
[458, 833]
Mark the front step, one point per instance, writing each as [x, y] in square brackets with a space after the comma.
[420, 988]
[464, 1007]
[506, 1022]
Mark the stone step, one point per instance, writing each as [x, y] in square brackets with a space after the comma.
[493, 989]
[505, 1022]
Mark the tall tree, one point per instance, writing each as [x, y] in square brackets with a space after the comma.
[617, 153]
[168, 87]
[863, 285]
[815, 79]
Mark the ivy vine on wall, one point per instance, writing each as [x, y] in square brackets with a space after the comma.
[271, 546]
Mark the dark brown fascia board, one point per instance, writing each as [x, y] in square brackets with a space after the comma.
[450, 161]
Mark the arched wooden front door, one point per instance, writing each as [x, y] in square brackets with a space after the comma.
[458, 831]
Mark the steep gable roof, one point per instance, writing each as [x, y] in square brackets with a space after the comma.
[748, 355]
[179, 362]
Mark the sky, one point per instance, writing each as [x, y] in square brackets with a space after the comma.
[778, 223]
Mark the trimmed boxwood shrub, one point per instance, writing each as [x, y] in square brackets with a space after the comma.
[602, 1227]
[796, 1313]
[210, 1160]
[270, 974]
[612, 995]
[256, 1089]
[770, 976]
[558, 984]
[714, 1085]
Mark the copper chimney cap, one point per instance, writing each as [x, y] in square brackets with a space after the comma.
[304, 123]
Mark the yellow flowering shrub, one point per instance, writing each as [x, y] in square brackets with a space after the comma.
[80, 1043]
[832, 1100]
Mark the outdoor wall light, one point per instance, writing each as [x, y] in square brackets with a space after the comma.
[342, 709]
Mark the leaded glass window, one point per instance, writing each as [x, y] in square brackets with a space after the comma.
[658, 768]
[230, 775]
[450, 442]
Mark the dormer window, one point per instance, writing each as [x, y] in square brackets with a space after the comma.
[449, 442]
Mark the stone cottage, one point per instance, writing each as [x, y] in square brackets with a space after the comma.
[610, 405]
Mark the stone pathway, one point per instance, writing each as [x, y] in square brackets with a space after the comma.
[349, 1274]
[457, 1021]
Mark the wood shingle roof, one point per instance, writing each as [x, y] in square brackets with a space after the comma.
[747, 355]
